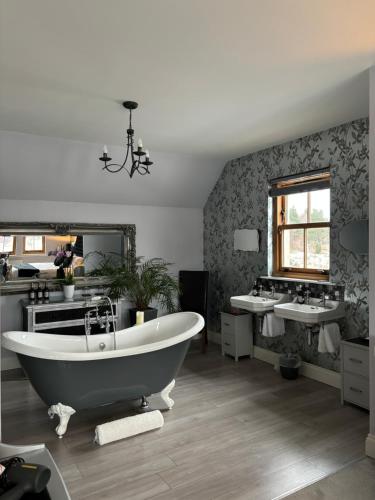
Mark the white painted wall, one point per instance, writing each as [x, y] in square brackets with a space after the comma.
[175, 234]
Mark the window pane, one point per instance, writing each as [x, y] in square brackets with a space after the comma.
[320, 205]
[296, 208]
[293, 248]
[318, 248]
[6, 244]
[33, 243]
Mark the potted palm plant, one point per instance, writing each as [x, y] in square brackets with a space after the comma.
[149, 281]
[68, 284]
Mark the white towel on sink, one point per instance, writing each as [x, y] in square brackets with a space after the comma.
[329, 337]
[273, 326]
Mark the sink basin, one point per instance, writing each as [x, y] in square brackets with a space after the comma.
[311, 313]
[258, 304]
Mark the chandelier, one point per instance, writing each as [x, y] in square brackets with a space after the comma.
[139, 158]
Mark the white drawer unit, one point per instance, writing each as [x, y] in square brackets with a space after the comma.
[236, 335]
[355, 372]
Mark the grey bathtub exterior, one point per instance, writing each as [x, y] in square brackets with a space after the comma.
[88, 384]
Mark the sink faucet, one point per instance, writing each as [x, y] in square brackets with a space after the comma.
[88, 325]
[272, 292]
[99, 298]
[307, 296]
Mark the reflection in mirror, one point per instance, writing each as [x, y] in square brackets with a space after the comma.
[354, 236]
[43, 251]
[46, 256]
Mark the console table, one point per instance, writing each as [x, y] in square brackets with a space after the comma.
[64, 317]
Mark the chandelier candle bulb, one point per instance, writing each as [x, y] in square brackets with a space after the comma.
[140, 145]
[147, 154]
[105, 150]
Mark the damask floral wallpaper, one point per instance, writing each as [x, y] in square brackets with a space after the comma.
[240, 200]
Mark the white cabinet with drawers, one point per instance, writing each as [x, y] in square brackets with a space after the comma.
[355, 372]
[236, 335]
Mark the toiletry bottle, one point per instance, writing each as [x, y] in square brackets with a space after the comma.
[39, 293]
[32, 293]
[254, 291]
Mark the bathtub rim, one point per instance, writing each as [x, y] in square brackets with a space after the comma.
[9, 343]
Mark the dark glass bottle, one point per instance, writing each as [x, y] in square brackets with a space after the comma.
[32, 293]
[46, 293]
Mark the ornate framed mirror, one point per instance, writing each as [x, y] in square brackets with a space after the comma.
[39, 251]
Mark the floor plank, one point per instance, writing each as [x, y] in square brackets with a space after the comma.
[356, 481]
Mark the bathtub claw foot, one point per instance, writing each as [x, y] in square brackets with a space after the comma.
[145, 406]
[161, 400]
[64, 413]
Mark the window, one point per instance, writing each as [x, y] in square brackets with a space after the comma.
[8, 244]
[33, 244]
[301, 226]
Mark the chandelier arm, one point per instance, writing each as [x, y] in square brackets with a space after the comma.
[120, 166]
[135, 167]
[142, 170]
[113, 171]
[116, 170]
[127, 153]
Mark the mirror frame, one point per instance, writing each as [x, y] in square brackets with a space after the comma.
[62, 229]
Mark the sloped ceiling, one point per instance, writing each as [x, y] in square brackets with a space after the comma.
[215, 79]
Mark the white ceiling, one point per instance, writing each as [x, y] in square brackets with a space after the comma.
[214, 78]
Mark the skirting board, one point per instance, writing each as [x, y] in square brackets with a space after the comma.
[370, 446]
[9, 363]
[308, 370]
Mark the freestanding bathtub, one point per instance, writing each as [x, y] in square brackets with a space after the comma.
[72, 372]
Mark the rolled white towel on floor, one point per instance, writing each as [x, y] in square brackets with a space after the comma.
[273, 326]
[329, 338]
[128, 426]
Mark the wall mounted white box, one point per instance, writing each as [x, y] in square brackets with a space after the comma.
[246, 240]
[237, 335]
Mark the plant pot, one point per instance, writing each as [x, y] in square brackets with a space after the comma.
[149, 313]
[68, 292]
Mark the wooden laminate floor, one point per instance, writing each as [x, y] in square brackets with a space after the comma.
[237, 431]
[354, 482]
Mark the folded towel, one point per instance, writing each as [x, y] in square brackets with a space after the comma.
[128, 426]
[273, 326]
[329, 337]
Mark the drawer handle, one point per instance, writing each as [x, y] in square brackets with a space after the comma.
[226, 343]
[355, 360]
[354, 389]
[226, 324]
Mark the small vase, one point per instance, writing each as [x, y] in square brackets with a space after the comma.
[68, 292]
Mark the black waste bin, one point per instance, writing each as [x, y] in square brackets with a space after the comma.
[289, 365]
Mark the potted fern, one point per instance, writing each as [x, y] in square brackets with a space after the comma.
[148, 281]
[68, 284]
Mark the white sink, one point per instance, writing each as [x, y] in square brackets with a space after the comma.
[259, 304]
[311, 313]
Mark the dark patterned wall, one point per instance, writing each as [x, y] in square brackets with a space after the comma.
[240, 200]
